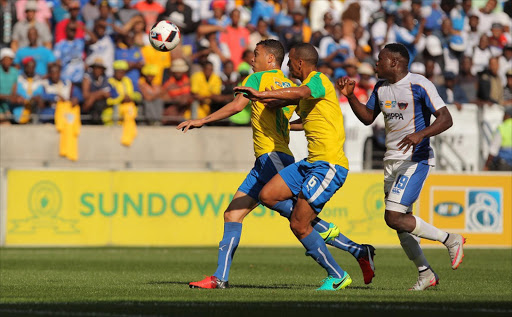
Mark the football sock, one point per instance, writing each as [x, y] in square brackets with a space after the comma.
[425, 230]
[317, 249]
[411, 246]
[227, 248]
[341, 241]
[285, 207]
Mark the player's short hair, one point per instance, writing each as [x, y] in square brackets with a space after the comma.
[398, 49]
[306, 52]
[275, 48]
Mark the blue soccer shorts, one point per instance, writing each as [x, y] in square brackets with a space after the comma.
[318, 181]
[265, 167]
[403, 182]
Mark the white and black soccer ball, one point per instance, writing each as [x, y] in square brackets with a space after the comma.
[164, 36]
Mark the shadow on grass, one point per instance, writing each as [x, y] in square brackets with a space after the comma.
[249, 286]
[266, 309]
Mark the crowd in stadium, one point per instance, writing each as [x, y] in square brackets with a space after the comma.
[96, 53]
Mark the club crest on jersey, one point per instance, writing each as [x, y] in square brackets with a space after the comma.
[402, 105]
[280, 84]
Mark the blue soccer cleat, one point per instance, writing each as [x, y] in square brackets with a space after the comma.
[334, 284]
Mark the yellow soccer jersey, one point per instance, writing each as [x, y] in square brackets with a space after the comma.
[270, 127]
[323, 121]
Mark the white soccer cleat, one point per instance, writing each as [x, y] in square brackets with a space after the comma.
[425, 280]
[455, 243]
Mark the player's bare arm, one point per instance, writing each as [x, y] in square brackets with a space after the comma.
[442, 123]
[289, 94]
[296, 125]
[234, 107]
[365, 115]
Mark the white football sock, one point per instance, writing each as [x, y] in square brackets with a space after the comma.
[425, 230]
[411, 246]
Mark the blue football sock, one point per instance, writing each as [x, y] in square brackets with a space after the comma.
[227, 248]
[285, 207]
[341, 241]
[317, 249]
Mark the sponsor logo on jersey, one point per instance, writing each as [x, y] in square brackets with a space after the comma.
[281, 84]
[393, 116]
[402, 105]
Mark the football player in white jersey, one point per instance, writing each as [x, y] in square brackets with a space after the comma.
[407, 102]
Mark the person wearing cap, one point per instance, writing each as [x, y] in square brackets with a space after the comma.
[500, 149]
[74, 13]
[43, 12]
[498, 38]
[20, 31]
[95, 90]
[41, 54]
[126, 50]
[70, 53]
[8, 78]
[176, 92]
[151, 92]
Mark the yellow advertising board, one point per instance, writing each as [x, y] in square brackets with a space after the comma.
[97, 208]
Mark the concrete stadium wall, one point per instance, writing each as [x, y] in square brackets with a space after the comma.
[208, 148]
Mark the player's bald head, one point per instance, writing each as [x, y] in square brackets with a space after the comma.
[398, 51]
[305, 52]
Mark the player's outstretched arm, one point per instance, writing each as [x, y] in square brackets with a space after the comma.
[234, 107]
[296, 125]
[364, 114]
[289, 94]
[442, 123]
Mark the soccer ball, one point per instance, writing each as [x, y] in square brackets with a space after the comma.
[164, 36]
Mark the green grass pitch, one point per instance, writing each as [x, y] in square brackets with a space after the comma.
[265, 282]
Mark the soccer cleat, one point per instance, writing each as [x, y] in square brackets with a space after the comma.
[333, 284]
[425, 280]
[366, 263]
[209, 282]
[331, 233]
[455, 243]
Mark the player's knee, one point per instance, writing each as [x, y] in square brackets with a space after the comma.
[299, 229]
[265, 198]
[230, 216]
[393, 219]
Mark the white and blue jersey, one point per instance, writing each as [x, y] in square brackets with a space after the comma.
[407, 106]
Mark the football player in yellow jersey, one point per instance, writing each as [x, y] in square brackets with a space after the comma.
[315, 179]
[271, 136]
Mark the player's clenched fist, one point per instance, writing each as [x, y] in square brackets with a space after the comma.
[346, 86]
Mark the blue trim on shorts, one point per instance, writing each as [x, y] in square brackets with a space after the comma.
[262, 172]
[415, 184]
[318, 181]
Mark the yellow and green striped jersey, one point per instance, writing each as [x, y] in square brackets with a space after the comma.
[270, 127]
[323, 121]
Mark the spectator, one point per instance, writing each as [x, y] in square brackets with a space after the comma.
[60, 28]
[323, 14]
[466, 80]
[507, 91]
[126, 13]
[42, 11]
[500, 150]
[490, 88]
[41, 55]
[433, 72]
[219, 14]
[205, 87]
[105, 14]
[54, 89]
[100, 44]
[325, 31]
[298, 32]
[20, 31]
[150, 10]
[236, 38]
[445, 32]
[246, 64]
[453, 54]
[137, 25]
[8, 78]
[472, 34]
[497, 38]
[505, 62]
[95, 91]
[90, 12]
[366, 78]
[262, 9]
[29, 90]
[162, 60]
[481, 55]
[70, 53]
[121, 91]
[487, 16]
[261, 33]
[181, 15]
[451, 92]
[336, 52]
[7, 21]
[409, 35]
[230, 79]
[151, 92]
[176, 93]
[127, 51]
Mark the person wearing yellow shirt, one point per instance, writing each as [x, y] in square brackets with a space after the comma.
[206, 86]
